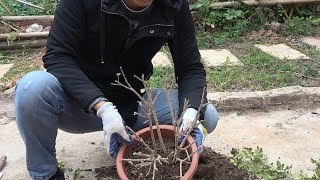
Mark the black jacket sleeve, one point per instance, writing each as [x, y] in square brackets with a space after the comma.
[189, 71]
[63, 48]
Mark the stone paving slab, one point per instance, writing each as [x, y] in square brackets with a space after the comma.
[4, 68]
[312, 42]
[161, 60]
[282, 51]
[219, 57]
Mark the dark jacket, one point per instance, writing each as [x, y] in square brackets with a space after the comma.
[89, 41]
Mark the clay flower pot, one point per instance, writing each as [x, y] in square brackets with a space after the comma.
[167, 132]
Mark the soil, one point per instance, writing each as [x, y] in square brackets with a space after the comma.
[264, 34]
[164, 171]
[212, 165]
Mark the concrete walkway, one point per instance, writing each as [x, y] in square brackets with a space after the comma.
[291, 135]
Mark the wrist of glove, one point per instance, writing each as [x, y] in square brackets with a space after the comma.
[114, 129]
[199, 132]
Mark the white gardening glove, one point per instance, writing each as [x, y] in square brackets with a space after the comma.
[199, 132]
[114, 129]
[187, 119]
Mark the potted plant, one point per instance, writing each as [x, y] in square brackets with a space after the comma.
[162, 151]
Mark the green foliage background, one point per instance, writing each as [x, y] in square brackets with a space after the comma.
[20, 9]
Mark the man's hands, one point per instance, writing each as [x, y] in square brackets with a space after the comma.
[114, 129]
[187, 120]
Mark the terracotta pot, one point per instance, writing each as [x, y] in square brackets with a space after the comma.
[167, 132]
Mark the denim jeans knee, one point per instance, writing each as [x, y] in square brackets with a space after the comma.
[37, 99]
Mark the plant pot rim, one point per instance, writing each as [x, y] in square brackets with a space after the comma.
[122, 152]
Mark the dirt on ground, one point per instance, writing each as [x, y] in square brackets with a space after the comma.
[289, 135]
[212, 165]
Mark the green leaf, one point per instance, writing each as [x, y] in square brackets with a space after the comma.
[142, 90]
[238, 13]
[229, 17]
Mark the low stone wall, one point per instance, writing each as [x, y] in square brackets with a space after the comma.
[287, 97]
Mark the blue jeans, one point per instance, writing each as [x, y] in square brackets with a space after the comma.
[41, 107]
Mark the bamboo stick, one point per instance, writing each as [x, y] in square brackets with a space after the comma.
[23, 45]
[5, 8]
[29, 4]
[4, 37]
[26, 18]
[11, 27]
[217, 5]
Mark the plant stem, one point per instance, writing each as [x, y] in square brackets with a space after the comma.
[174, 123]
[145, 103]
[138, 138]
[151, 103]
[195, 120]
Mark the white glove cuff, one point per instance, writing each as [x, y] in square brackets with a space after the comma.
[190, 112]
[105, 107]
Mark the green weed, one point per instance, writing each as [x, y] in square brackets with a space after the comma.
[315, 176]
[257, 165]
[205, 39]
[62, 166]
[5, 59]
[23, 63]
[308, 50]
[162, 77]
[261, 71]
[302, 26]
[76, 173]
[18, 70]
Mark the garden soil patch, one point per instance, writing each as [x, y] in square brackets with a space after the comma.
[211, 165]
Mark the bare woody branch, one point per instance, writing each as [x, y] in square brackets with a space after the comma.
[138, 138]
[202, 105]
[151, 103]
[145, 104]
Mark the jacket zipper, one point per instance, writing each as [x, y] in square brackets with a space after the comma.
[108, 12]
[163, 25]
[130, 32]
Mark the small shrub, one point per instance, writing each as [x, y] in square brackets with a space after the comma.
[256, 163]
[302, 26]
